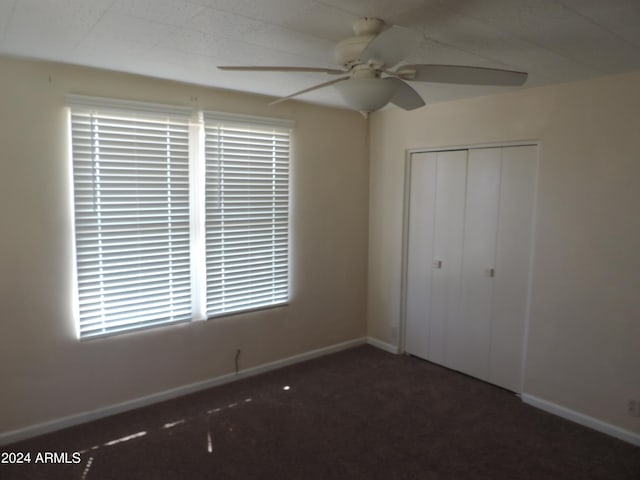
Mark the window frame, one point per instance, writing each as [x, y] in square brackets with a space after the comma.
[196, 125]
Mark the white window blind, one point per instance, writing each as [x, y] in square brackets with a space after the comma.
[175, 221]
[132, 216]
[247, 214]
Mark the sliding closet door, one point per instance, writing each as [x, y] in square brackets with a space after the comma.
[513, 254]
[436, 219]
[472, 337]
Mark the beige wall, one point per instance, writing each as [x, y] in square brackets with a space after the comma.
[583, 348]
[45, 373]
[583, 345]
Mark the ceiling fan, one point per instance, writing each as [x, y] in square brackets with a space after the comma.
[367, 82]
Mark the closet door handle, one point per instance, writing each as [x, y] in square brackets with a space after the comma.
[437, 264]
[490, 272]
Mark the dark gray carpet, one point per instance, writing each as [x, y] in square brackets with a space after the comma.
[357, 414]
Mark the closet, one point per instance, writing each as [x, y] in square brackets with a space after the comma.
[468, 251]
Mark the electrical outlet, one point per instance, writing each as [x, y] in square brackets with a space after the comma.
[634, 408]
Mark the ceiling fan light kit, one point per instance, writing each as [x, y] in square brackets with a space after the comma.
[366, 94]
[368, 57]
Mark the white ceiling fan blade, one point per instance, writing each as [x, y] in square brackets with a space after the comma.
[391, 46]
[461, 75]
[330, 71]
[405, 97]
[315, 87]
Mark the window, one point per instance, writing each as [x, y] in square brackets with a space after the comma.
[247, 215]
[176, 220]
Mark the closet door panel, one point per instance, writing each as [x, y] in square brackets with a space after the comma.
[511, 284]
[422, 199]
[479, 248]
[447, 257]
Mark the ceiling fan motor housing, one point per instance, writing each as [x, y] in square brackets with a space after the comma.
[348, 51]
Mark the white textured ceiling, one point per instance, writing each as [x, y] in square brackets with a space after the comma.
[554, 40]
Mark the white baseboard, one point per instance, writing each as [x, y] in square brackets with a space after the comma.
[585, 420]
[387, 347]
[65, 422]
